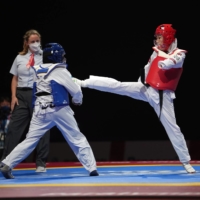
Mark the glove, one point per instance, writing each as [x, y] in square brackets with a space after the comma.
[76, 103]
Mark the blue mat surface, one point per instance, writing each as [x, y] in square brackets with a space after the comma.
[109, 175]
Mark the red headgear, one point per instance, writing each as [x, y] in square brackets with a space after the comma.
[167, 32]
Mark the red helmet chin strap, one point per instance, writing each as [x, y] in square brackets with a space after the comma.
[168, 34]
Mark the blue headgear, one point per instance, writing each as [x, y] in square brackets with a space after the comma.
[53, 53]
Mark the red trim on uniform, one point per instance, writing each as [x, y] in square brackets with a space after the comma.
[155, 49]
[173, 60]
[184, 51]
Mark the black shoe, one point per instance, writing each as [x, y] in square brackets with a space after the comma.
[94, 173]
[7, 172]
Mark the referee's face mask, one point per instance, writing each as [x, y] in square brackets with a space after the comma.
[34, 43]
[35, 47]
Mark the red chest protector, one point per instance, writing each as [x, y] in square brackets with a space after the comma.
[163, 79]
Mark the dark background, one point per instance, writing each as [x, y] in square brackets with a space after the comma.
[112, 39]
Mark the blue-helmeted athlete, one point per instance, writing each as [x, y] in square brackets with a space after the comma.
[53, 88]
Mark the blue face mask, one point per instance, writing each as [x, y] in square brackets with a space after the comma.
[5, 108]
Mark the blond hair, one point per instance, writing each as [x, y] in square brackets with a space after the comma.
[26, 37]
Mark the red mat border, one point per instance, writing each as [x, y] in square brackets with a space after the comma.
[109, 163]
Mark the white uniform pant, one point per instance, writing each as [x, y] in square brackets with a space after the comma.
[64, 120]
[138, 91]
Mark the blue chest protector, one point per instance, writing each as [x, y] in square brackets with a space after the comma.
[59, 92]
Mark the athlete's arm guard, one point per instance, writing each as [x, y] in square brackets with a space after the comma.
[174, 62]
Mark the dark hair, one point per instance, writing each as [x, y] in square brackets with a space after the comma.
[4, 98]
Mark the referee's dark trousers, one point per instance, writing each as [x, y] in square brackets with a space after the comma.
[19, 121]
